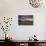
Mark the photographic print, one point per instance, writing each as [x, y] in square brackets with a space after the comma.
[25, 19]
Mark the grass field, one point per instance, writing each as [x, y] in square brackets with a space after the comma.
[25, 22]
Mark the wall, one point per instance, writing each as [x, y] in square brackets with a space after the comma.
[13, 8]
